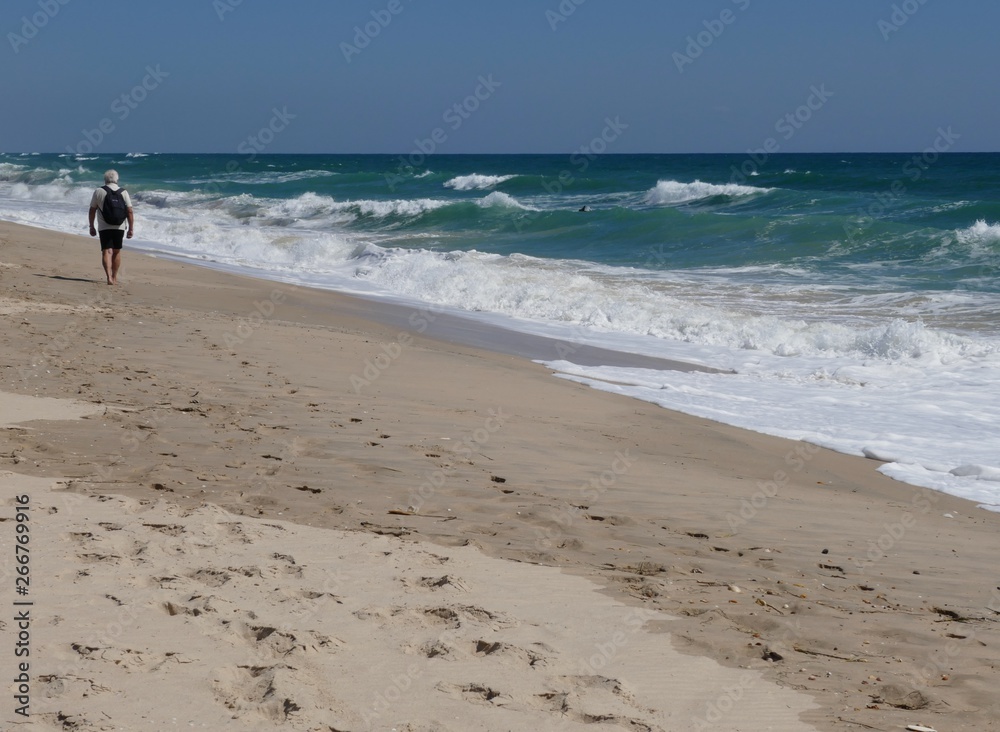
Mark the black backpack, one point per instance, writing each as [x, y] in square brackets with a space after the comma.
[114, 210]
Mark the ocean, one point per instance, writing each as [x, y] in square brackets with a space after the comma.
[848, 300]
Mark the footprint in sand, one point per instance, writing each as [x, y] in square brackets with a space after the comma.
[211, 577]
[287, 565]
[444, 582]
[475, 693]
[263, 691]
[168, 529]
[509, 654]
[595, 700]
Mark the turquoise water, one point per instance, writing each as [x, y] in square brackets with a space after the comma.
[837, 215]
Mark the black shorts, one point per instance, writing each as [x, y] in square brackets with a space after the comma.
[111, 238]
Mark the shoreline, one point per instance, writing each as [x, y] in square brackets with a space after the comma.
[452, 445]
[461, 329]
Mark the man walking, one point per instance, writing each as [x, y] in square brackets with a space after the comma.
[112, 232]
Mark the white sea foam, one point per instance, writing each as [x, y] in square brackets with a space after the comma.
[266, 177]
[526, 287]
[894, 413]
[304, 206]
[270, 177]
[398, 207]
[668, 192]
[36, 176]
[58, 190]
[476, 181]
[11, 171]
[312, 205]
[979, 233]
[381, 209]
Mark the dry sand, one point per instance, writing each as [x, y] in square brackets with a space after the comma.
[515, 551]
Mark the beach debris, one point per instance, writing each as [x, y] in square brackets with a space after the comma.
[896, 696]
[734, 588]
[772, 655]
[951, 615]
[643, 569]
[396, 531]
[307, 488]
[919, 728]
[810, 652]
[763, 603]
[498, 479]
[401, 512]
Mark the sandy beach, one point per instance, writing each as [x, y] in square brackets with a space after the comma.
[259, 506]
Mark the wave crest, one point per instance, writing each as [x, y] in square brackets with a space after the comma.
[667, 192]
[384, 209]
[500, 199]
[476, 181]
[979, 233]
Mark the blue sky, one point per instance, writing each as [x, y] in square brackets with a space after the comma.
[528, 76]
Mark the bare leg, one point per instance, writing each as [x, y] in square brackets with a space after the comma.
[116, 263]
[106, 259]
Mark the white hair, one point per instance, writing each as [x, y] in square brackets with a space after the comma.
[111, 176]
